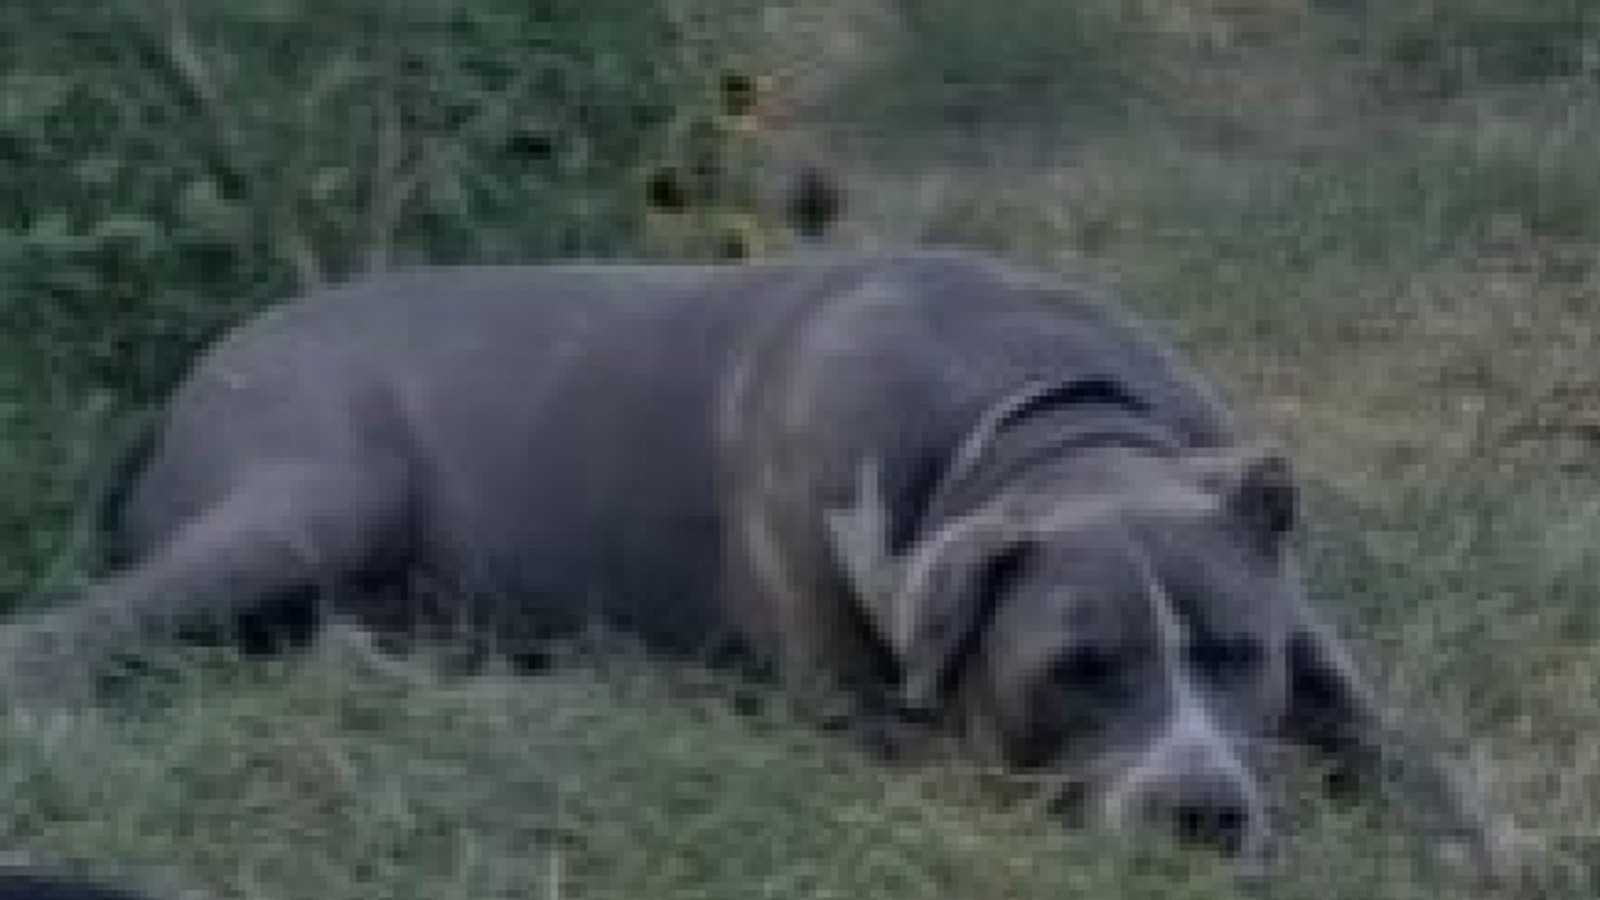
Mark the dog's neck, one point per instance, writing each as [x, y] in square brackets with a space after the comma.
[1082, 444]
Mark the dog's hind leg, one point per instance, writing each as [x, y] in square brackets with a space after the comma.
[284, 530]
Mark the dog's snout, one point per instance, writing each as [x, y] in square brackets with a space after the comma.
[1213, 810]
[1221, 823]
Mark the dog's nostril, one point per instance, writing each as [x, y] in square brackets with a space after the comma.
[1220, 824]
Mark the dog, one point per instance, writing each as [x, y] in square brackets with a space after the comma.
[950, 489]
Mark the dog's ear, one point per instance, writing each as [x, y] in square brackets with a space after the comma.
[1257, 485]
[1265, 496]
[930, 607]
[945, 602]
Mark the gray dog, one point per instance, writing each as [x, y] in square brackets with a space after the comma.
[940, 485]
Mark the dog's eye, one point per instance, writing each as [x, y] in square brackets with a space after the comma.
[1086, 668]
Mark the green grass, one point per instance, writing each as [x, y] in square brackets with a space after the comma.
[1455, 46]
[1379, 229]
[333, 777]
[957, 69]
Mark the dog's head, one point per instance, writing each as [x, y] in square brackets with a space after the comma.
[1142, 637]
[1136, 641]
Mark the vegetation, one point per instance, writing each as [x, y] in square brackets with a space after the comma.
[1379, 223]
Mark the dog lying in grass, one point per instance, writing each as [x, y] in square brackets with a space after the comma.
[948, 489]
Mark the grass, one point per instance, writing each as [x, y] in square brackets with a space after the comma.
[1380, 234]
[335, 777]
